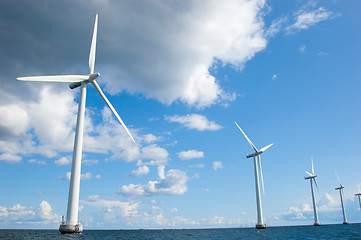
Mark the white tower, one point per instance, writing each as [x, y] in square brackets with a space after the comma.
[340, 189]
[312, 178]
[256, 155]
[72, 225]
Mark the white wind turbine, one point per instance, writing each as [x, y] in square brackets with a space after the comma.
[359, 200]
[340, 188]
[256, 155]
[72, 225]
[313, 177]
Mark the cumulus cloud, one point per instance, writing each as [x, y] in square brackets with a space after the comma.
[112, 207]
[194, 121]
[217, 165]
[186, 155]
[308, 16]
[143, 170]
[174, 182]
[63, 161]
[181, 56]
[18, 214]
[10, 158]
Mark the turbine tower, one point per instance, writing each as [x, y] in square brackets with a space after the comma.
[312, 178]
[256, 155]
[359, 200]
[72, 225]
[340, 188]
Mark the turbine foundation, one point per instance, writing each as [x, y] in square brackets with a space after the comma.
[317, 224]
[261, 226]
[345, 222]
[71, 229]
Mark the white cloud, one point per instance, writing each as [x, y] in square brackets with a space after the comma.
[35, 216]
[274, 77]
[62, 161]
[158, 155]
[186, 155]
[112, 207]
[149, 138]
[84, 176]
[327, 203]
[173, 183]
[194, 121]
[307, 17]
[200, 165]
[217, 165]
[275, 27]
[143, 170]
[182, 56]
[173, 210]
[302, 48]
[14, 120]
[37, 162]
[10, 158]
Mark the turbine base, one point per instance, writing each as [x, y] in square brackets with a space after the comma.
[261, 226]
[345, 222]
[317, 224]
[71, 228]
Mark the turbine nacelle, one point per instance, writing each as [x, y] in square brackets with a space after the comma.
[341, 187]
[312, 176]
[92, 77]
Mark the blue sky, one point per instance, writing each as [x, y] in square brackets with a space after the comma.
[180, 74]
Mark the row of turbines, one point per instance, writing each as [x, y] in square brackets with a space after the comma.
[311, 176]
[72, 225]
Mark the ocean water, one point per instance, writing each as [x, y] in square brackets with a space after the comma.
[351, 231]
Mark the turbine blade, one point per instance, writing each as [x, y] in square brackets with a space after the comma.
[266, 147]
[249, 141]
[338, 179]
[309, 174]
[55, 78]
[314, 179]
[95, 84]
[260, 170]
[93, 46]
[313, 171]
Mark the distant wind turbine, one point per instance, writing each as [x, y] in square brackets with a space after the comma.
[312, 176]
[359, 200]
[255, 155]
[72, 225]
[340, 188]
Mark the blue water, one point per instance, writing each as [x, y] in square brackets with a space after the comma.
[351, 231]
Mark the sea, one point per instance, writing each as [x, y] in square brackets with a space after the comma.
[350, 231]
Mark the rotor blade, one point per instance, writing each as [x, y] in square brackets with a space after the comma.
[260, 169]
[93, 46]
[55, 78]
[95, 84]
[314, 179]
[311, 175]
[266, 147]
[249, 141]
[313, 171]
[338, 179]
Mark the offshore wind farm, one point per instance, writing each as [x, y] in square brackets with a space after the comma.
[180, 75]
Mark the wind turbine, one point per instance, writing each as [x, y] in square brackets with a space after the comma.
[256, 155]
[358, 194]
[340, 188]
[313, 177]
[72, 225]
